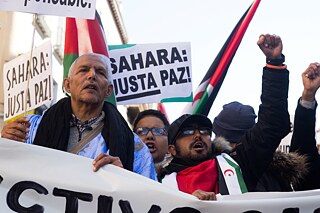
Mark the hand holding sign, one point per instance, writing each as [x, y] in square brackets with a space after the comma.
[203, 195]
[104, 159]
[16, 130]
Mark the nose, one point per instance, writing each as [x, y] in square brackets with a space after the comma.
[197, 134]
[149, 135]
[92, 73]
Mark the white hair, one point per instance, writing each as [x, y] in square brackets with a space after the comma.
[104, 58]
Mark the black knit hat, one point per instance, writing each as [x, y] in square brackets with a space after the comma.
[233, 121]
[185, 121]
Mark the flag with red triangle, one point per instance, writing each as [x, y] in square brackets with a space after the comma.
[209, 87]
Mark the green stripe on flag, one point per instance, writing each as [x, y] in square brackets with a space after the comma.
[111, 99]
[178, 99]
[243, 186]
[120, 46]
[201, 103]
[67, 61]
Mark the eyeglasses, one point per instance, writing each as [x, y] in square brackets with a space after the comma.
[156, 131]
[191, 130]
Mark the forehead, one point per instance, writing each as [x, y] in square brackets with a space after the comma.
[90, 60]
[150, 121]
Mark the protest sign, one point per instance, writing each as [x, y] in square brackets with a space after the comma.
[151, 73]
[15, 78]
[69, 8]
[38, 179]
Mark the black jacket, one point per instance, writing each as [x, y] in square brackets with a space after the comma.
[304, 141]
[284, 173]
[255, 151]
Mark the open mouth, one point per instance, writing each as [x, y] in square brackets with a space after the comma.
[199, 145]
[151, 147]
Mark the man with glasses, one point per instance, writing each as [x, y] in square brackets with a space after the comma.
[151, 126]
[204, 169]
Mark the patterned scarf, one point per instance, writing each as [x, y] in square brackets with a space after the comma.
[82, 126]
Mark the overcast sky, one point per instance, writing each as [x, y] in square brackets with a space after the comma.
[208, 23]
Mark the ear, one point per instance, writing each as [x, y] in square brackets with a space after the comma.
[109, 91]
[172, 150]
[66, 84]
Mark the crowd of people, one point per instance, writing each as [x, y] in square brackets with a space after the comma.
[184, 155]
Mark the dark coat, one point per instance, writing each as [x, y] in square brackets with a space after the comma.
[283, 174]
[255, 150]
[304, 141]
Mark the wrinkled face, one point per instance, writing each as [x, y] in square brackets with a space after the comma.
[196, 147]
[88, 81]
[157, 144]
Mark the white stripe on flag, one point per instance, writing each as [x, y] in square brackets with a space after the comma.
[84, 42]
[171, 181]
[229, 174]
[209, 89]
[190, 106]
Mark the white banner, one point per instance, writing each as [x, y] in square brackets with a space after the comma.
[37, 179]
[40, 90]
[151, 73]
[68, 8]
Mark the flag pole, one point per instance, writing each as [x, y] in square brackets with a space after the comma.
[30, 64]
